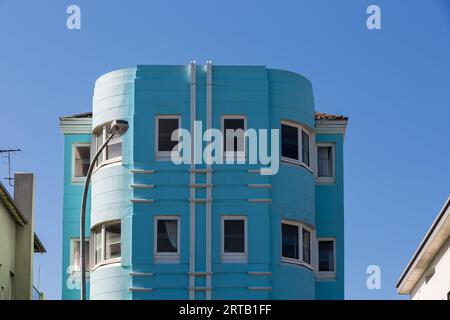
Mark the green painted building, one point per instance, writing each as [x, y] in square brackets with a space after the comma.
[18, 242]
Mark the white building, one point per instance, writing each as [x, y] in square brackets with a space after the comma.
[427, 276]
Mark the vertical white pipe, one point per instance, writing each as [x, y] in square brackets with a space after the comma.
[193, 71]
[208, 182]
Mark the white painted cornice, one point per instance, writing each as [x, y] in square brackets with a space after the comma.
[76, 125]
[325, 126]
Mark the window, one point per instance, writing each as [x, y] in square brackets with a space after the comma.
[327, 256]
[295, 242]
[289, 143]
[306, 246]
[290, 241]
[114, 148]
[113, 151]
[165, 126]
[305, 148]
[325, 161]
[112, 241]
[295, 144]
[233, 130]
[98, 144]
[98, 257]
[75, 255]
[81, 160]
[167, 237]
[107, 243]
[234, 238]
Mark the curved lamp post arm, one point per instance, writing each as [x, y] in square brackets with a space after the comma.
[83, 215]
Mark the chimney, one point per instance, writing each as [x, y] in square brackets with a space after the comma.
[24, 194]
[24, 200]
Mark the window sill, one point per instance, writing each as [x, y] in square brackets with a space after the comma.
[326, 275]
[78, 180]
[163, 158]
[77, 274]
[234, 258]
[297, 262]
[110, 262]
[163, 155]
[297, 163]
[107, 163]
[325, 180]
[160, 258]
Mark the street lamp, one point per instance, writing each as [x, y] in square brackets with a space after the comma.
[118, 128]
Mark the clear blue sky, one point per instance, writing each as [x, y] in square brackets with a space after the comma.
[393, 84]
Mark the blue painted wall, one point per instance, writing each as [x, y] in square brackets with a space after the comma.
[266, 97]
[71, 216]
[330, 219]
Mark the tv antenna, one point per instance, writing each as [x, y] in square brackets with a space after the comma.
[6, 158]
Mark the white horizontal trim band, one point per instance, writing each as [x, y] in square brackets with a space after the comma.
[142, 200]
[141, 274]
[139, 171]
[201, 288]
[260, 288]
[200, 200]
[200, 185]
[259, 185]
[260, 273]
[141, 289]
[200, 273]
[143, 186]
[200, 170]
[260, 200]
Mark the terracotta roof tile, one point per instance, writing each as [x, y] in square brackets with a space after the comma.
[327, 116]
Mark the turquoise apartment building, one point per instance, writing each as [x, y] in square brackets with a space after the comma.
[158, 230]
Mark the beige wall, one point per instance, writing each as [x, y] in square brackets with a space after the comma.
[7, 253]
[437, 287]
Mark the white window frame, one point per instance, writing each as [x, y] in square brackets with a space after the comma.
[232, 154]
[240, 257]
[300, 227]
[166, 257]
[326, 180]
[103, 261]
[164, 155]
[72, 258]
[105, 133]
[74, 146]
[299, 161]
[326, 274]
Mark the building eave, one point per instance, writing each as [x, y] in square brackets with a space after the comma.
[76, 124]
[325, 126]
[38, 245]
[11, 206]
[427, 250]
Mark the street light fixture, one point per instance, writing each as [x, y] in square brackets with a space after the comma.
[118, 128]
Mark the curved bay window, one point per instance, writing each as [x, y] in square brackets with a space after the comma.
[113, 151]
[295, 144]
[107, 243]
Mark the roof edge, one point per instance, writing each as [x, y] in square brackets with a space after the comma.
[424, 241]
[38, 245]
[76, 124]
[11, 206]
